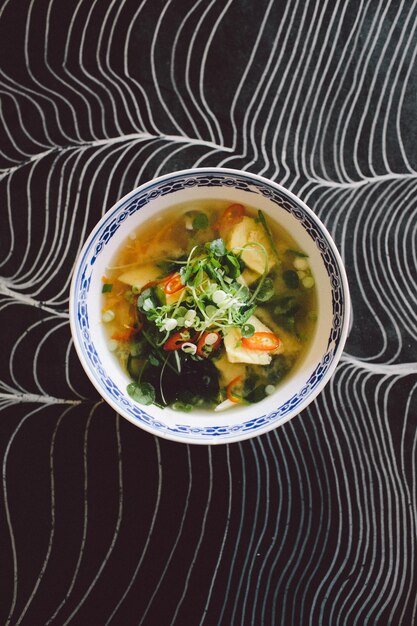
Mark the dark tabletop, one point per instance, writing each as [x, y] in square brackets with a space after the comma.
[312, 524]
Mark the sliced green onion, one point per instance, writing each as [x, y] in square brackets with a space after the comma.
[247, 330]
[300, 263]
[219, 296]
[108, 316]
[106, 288]
[297, 253]
[169, 323]
[189, 348]
[211, 339]
[182, 406]
[211, 310]
[148, 304]
[308, 282]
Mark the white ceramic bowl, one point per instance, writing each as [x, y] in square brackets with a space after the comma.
[293, 395]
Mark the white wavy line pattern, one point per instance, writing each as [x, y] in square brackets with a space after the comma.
[314, 524]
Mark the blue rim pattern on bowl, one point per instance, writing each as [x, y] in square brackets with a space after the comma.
[134, 203]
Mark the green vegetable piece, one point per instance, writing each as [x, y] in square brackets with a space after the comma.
[128, 296]
[142, 393]
[247, 330]
[232, 265]
[198, 278]
[296, 253]
[263, 222]
[291, 279]
[107, 287]
[134, 366]
[185, 273]
[266, 290]
[200, 221]
[137, 348]
[153, 360]
[287, 322]
[257, 394]
[217, 247]
[288, 305]
[182, 406]
[160, 294]
[244, 293]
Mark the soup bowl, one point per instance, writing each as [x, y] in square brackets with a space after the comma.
[295, 392]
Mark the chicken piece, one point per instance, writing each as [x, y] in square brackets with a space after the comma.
[139, 276]
[248, 231]
[227, 370]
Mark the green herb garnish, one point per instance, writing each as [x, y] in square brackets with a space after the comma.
[266, 290]
[217, 247]
[153, 360]
[297, 253]
[143, 393]
[264, 223]
[107, 287]
[200, 222]
[291, 279]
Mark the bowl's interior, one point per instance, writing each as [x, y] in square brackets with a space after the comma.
[104, 369]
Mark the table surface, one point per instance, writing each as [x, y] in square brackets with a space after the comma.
[102, 523]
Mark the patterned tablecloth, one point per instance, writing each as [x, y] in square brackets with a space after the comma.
[312, 524]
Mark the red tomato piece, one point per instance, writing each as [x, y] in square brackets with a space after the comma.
[232, 215]
[261, 341]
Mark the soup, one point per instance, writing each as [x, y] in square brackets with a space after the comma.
[210, 305]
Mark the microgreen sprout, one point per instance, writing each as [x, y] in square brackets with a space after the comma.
[215, 297]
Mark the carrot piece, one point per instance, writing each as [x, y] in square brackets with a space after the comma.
[123, 335]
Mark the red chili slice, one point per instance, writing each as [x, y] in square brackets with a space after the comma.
[202, 346]
[229, 390]
[173, 284]
[177, 340]
[232, 215]
[261, 341]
